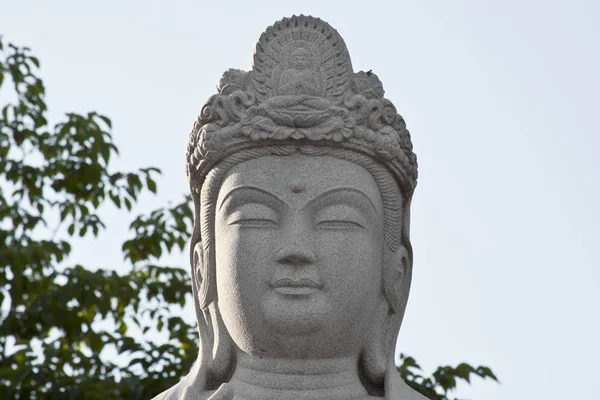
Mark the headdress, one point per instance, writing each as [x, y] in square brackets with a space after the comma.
[323, 103]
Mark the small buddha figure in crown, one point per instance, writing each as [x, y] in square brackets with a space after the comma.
[300, 256]
[303, 78]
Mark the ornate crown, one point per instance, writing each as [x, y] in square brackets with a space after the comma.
[301, 87]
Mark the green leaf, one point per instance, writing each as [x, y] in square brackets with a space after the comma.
[122, 328]
[115, 199]
[151, 184]
[105, 153]
[19, 137]
[106, 120]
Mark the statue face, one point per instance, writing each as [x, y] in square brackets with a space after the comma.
[299, 251]
[301, 59]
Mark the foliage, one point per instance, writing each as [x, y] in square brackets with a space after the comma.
[59, 321]
[443, 380]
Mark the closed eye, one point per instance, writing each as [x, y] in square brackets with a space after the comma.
[337, 224]
[253, 222]
[253, 215]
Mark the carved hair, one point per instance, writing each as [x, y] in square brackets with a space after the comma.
[396, 232]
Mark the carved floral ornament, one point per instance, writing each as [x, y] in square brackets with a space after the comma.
[301, 87]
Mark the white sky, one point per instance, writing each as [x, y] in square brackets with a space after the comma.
[501, 99]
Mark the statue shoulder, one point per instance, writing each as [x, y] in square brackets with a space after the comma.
[184, 391]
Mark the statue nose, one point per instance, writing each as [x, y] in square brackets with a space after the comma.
[295, 255]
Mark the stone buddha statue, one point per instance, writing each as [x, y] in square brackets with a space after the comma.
[300, 255]
[303, 77]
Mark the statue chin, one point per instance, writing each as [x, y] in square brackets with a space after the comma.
[295, 328]
[296, 317]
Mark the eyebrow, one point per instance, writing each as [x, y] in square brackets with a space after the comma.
[249, 188]
[342, 189]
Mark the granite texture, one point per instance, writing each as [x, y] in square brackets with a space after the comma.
[302, 175]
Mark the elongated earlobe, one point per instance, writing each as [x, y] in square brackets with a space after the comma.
[382, 336]
[374, 357]
[216, 343]
[396, 278]
[222, 364]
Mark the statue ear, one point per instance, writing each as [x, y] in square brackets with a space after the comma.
[396, 284]
[201, 276]
[397, 273]
[217, 346]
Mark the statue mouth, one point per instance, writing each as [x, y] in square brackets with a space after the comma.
[300, 287]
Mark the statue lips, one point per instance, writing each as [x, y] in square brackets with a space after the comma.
[300, 287]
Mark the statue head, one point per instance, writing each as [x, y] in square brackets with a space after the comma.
[301, 58]
[301, 243]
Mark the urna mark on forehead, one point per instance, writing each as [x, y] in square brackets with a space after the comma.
[300, 177]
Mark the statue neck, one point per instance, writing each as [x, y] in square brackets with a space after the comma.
[298, 379]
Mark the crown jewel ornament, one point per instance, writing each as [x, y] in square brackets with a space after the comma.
[301, 88]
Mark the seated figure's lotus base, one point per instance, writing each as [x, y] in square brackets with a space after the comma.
[301, 175]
